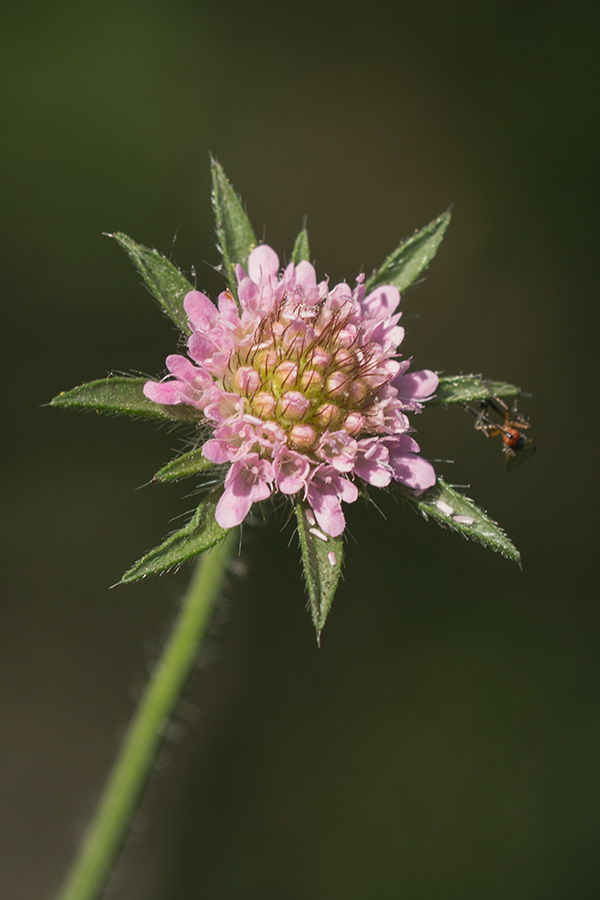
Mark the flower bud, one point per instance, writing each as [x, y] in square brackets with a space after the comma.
[311, 383]
[246, 380]
[336, 384]
[293, 404]
[320, 358]
[357, 391]
[285, 375]
[354, 423]
[328, 414]
[264, 360]
[263, 405]
[344, 360]
[302, 437]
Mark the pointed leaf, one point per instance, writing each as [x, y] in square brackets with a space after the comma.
[184, 466]
[450, 509]
[201, 533]
[411, 257]
[121, 395]
[164, 280]
[322, 557]
[301, 251]
[469, 388]
[234, 231]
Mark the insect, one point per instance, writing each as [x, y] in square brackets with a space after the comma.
[516, 446]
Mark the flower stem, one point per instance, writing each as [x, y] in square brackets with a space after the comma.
[105, 836]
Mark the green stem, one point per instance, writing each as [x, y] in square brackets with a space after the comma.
[118, 804]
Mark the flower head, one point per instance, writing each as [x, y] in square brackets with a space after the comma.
[302, 388]
[299, 389]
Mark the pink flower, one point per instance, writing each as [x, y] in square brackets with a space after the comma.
[302, 387]
[325, 492]
[407, 466]
[247, 481]
[292, 470]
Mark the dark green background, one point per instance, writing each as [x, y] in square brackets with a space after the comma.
[445, 741]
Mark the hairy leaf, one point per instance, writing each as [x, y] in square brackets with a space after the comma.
[322, 558]
[234, 231]
[450, 509]
[164, 280]
[470, 388]
[121, 395]
[200, 534]
[184, 466]
[301, 251]
[411, 257]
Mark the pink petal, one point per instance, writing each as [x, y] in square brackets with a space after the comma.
[306, 282]
[292, 469]
[180, 366]
[347, 490]
[325, 493]
[228, 308]
[185, 371]
[211, 353]
[359, 291]
[246, 482]
[417, 385]
[200, 310]
[222, 406]
[327, 509]
[217, 451]
[413, 471]
[403, 443]
[381, 303]
[338, 449]
[306, 277]
[248, 293]
[168, 393]
[232, 509]
[263, 264]
[373, 472]
[372, 463]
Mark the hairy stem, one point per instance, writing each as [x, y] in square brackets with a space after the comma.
[118, 804]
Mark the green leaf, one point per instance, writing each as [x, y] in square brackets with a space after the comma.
[164, 280]
[121, 395]
[469, 388]
[200, 534]
[234, 231]
[322, 557]
[301, 251]
[450, 509]
[184, 466]
[411, 257]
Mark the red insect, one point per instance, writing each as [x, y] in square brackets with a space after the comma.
[516, 446]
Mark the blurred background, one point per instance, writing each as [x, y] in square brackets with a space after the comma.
[445, 741]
